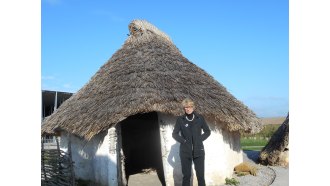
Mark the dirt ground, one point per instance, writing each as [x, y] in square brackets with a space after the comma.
[142, 179]
[279, 178]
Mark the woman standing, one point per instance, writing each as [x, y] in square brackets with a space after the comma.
[188, 132]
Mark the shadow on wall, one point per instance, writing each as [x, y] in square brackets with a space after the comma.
[230, 138]
[233, 139]
[90, 169]
[174, 160]
[87, 149]
[101, 166]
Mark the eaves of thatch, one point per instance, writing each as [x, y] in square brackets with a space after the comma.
[148, 73]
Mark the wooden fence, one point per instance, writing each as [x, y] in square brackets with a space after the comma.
[57, 166]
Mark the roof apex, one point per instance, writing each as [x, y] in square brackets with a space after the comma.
[141, 30]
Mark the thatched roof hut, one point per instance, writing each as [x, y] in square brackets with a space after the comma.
[276, 152]
[122, 119]
[148, 73]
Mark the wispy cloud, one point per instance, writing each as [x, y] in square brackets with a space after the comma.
[56, 87]
[48, 77]
[54, 83]
[67, 85]
[268, 106]
[266, 98]
[48, 87]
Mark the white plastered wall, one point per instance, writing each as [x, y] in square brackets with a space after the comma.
[94, 160]
[222, 153]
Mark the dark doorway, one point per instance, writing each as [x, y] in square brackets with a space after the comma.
[141, 144]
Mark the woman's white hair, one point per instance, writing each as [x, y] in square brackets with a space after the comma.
[188, 102]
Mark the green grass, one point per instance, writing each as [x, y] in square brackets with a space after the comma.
[259, 140]
[232, 181]
[253, 144]
[252, 148]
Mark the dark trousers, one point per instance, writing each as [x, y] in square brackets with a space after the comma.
[186, 164]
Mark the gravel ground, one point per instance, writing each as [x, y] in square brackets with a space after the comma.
[266, 175]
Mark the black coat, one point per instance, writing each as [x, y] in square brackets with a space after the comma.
[191, 139]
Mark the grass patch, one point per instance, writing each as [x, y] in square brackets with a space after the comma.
[232, 181]
[253, 143]
[259, 140]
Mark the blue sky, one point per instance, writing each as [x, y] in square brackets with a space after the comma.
[243, 44]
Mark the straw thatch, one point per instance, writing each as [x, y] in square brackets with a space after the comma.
[147, 74]
[272, 153]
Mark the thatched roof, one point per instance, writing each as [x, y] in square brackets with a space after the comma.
[148, 73]
[278, 143]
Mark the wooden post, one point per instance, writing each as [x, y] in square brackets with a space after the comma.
[121, 176]
[58, 156]
[55, 102]
[72, 177]
[43, 159]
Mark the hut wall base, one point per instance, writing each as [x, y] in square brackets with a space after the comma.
[95, 160]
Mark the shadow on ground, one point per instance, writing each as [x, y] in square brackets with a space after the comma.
[251, 155]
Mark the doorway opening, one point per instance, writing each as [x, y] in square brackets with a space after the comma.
[141, 145]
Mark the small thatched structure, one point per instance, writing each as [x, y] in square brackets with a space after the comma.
[146, 79]
[276, 152]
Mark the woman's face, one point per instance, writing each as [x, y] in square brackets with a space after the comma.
[188, 109]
